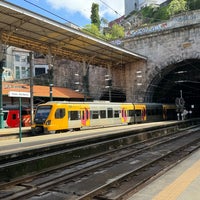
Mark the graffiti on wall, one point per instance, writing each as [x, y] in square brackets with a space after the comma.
[188, 18]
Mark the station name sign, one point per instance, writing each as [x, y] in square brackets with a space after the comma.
[19, 94]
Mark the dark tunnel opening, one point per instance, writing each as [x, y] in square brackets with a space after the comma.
[180, 79]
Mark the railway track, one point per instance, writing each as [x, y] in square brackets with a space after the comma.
[114, 174]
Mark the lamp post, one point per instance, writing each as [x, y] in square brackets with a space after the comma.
[51, 83]
[31, 59]
[51, 91]
[2, 62]
[108, 85]
[77, 82]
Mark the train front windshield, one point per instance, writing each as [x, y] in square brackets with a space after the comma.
[42, 113]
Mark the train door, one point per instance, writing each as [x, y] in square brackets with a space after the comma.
[124, 115]
[85, 117]
[143, 114]
[13, 118]
[140, 113]
[26, 117]
[5, 116]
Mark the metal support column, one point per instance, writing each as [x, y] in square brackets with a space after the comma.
[108, 79]
[85, 80]
[50, 73]
[1, 96]
[2, 63]
[31, 56]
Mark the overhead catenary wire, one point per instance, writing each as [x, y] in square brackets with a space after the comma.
[110, 8]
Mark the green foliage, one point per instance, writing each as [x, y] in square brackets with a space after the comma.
[193, 4]
[161, 14]
[177, 6]
[117, 31]
[93, 30]
[152, 14]
[148, 13]
[95, 19]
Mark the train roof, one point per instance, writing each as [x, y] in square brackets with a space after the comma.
[103, 103]
[15, 107]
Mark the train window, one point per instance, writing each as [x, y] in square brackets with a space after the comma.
[60, 113]
[42, 111]
[131, 113]
[153, 112]
[159, 111]
[82, 115]
[149, 112]
[87, 114]
[14, 116]
[102, 114]
[110, 112]
[74, 115]
[138, 112]
[95, 114]
[116, 113]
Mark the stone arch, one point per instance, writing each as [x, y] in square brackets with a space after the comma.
[157, 73]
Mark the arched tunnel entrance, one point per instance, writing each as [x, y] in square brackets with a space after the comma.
[178, 79]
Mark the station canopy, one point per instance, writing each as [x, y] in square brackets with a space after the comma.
[22, 28]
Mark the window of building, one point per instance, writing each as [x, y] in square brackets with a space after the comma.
[39, 71]
[17, 57]
[23, 58]
[17, 72]
[24, 72]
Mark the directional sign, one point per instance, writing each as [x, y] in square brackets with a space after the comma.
[19, 94]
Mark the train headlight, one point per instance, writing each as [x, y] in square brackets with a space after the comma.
[48, 122]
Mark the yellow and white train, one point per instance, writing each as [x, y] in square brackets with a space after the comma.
[57, 116]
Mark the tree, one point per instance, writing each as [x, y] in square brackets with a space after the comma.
[117, 31]
[104, 21]
[95, 19]
[177, 6]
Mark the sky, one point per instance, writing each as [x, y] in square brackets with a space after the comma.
[75, 11]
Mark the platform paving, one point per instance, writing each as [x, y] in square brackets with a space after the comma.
[179, 183]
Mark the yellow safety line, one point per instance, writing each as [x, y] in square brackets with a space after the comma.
[172, 191]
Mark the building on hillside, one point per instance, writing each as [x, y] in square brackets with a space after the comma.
[116, 21]
[17, 62]
[135, 5]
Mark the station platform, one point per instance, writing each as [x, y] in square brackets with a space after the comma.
[15, 146]
[179, 183]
